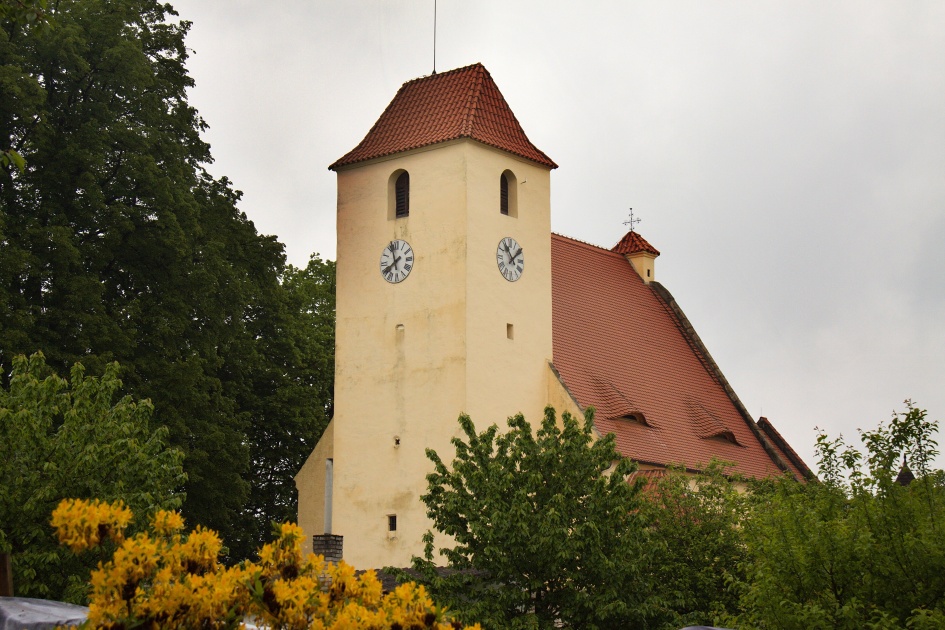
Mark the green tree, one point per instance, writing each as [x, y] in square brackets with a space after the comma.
[858, 549]
[14, 14]
[290, 393]
[697, 544]
[546, 529]
[69, 439]
[117, 245]
[23, 12]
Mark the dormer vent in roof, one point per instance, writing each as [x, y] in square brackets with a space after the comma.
[640, 254]
[708, 425]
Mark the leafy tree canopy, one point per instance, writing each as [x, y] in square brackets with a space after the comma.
[23, 12]
[290, 402]
[117, 245]
[696, 544]
[858, 549]
[546, 530]
[68, 438]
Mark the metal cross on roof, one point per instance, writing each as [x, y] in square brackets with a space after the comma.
[631, 221]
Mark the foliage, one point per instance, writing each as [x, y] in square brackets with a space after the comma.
[858, 549]
[290, 402]
[117, 245]
[163, 578]
[546, 530]
[23, 12]
[696, 543]
[67, 438]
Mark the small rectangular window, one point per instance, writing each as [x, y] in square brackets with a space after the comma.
[510, 331]
[392, 523]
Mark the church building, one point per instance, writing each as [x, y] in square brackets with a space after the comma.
[454, 296]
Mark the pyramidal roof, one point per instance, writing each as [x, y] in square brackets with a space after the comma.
[461, 103]
[631, 243]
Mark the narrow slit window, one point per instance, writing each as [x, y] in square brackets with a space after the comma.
[402, 194]
[508, 194]
[391, 523]
[510, 331]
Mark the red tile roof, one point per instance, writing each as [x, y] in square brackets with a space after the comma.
[784, 449]
[461, 103]
[624, 347]
[631, 243]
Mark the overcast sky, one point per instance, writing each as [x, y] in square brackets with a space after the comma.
[787, 159]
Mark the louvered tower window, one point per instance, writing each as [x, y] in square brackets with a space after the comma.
[508, 194]
[402, 194]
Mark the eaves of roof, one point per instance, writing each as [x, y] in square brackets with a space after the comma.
[461, 103]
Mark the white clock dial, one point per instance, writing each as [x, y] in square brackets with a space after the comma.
[510, 258]
[396, 261]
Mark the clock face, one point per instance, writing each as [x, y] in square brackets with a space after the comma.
[510, 258]
[396, 261]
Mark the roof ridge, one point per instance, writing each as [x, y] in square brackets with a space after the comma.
[472, 104]
[775, 436]
[443, 74]
[702, 354]
[578, 241]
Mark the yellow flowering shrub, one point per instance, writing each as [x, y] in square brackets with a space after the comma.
[166, 579]
[85, 524]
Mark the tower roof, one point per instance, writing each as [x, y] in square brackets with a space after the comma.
[461, 103]
[631, 243]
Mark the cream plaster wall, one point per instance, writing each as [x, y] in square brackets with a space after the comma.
[310, 484]
[644, 263]
[559, 397]
[411, 357]
[507, 376]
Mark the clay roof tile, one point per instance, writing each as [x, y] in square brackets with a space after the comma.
[631, 243]
[461, 103]
[619, 347]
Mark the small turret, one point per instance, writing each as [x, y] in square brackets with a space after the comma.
[640, 254]
[905, 476]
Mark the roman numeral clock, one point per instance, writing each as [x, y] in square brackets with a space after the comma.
[396, 261]
[510, 258]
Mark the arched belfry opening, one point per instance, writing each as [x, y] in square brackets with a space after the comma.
[508, 194]
[398, 195]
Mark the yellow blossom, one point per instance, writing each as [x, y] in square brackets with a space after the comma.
[200, 552]
[167, 523]
[84, 524]
[166, 579]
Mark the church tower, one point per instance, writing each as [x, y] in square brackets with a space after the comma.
[443, 305]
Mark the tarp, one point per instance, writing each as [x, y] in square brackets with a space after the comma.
[18, 613]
